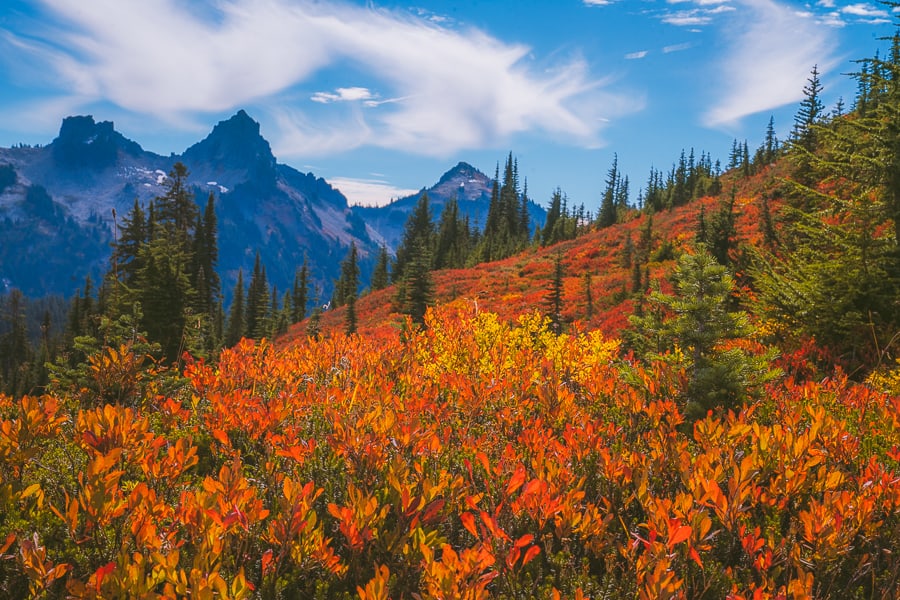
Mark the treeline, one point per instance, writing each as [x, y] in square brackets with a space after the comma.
[160, 298]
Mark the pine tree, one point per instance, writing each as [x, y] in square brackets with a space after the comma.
[555, 296]
[134, 235]
[418, 232]
[380, 275]
[299, 293]
[349, 284]
[588, 296]
[417, 285]
[697, 320]
[256, 316]
[607, 215]
[206, 257]
[15, 351]
[809, 114]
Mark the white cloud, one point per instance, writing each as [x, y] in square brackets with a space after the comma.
[701, 15]
[599, 2]
[772, 51]
[864, 10]
[636, 55]
[368, 192]
[447, 89]
[351, 94]
[676, 48]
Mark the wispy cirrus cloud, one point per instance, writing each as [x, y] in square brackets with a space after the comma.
[698, 14]
[771, 51]
[444, 88]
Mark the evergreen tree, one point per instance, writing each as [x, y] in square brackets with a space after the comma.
[555, 297]
[554, 215]
[15, 350]
[349, 284]
[452, 240]
[206, 257]
[164, 292]
[698, 322]
[418, 232]
[299, 292]
[418, 287]
[722, 237]
[607, 215]
[380, 275]
[588, 296]
[236, 322]
[809, 113]
[126, 253]
[256, 316]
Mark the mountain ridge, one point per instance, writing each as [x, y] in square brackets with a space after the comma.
[90, 175]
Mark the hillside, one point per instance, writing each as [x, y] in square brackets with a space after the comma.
[520, 284]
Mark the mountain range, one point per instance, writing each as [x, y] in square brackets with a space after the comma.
[61, 206]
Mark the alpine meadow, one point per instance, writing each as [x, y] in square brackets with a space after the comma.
[255, 389]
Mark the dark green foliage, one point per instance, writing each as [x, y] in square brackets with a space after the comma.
[554, 300]
[809, 114]
[380, 275]
[417, 286]
[692, 327]
[299, 293]
[721, 238]
[506, 228]
[347, 288]
[418, 232]
[256, 317]
[453, 241]
[561, 224]
[16, 354]
[236, 318]
[607, 215]
[588, 296]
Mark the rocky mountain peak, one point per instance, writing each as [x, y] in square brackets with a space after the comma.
[235, 144]
[84, 143]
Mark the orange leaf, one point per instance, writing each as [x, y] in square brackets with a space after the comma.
[530, 554]
[681, 533]
[516, 480]
[468, 521]
[524, 540]
[221, 437]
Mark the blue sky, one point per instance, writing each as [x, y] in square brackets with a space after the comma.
[381, 97]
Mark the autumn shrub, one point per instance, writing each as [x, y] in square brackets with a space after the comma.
[474, 458]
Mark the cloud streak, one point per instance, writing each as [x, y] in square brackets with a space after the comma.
[772, 50]
[446, 89]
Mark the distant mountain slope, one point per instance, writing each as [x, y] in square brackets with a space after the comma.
[57, 202]
[469, 186]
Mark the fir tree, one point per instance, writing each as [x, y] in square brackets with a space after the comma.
[697, 321]
[555, 296]
[236, 318]
[256, 317]
[380, 275]
[417, 285]
[418, 232]
[299, 292]
[607, 215]
[349, 284]
[809, 114]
